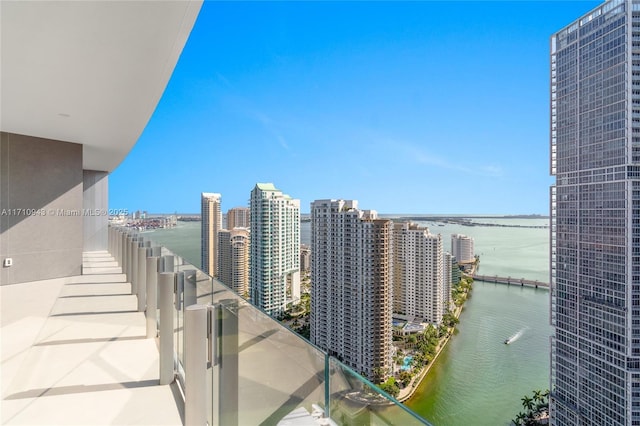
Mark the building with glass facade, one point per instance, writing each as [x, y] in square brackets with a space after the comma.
[595, 218]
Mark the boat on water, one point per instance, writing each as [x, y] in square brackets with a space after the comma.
[515, 337]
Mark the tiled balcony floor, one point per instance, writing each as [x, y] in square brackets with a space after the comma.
[74, 352]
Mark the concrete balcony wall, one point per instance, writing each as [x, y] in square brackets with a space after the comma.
[41, 201]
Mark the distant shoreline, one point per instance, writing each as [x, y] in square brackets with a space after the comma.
[469, 221]
[460, 217]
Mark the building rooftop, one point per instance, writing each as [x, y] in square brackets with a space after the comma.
[266, 187]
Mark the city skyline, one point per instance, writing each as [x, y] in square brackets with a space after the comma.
[424, 110]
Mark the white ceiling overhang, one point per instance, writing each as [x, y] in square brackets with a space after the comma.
[88, 72]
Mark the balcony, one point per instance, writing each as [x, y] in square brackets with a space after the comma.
[91, 345]
[117, 345]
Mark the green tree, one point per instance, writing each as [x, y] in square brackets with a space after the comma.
[390, 386]
[405, 377]
[537, 409]
[520, 418]
[527, 402]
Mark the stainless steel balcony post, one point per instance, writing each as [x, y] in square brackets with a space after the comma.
[129, 259]
[195, 365]
[166, 284]
[152, 296]
[229, 373]
[112, 241]
[119, 248]
[133, 278]
[113, 249]
[167, 263]
[142, 278]
[190, 292]
[179, 291]
[125, 254]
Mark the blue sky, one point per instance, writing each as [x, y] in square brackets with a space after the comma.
[417, 107]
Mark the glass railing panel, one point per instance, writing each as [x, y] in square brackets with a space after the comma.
[353, 400]
[181, 268]
[263, 373]
[278, 372]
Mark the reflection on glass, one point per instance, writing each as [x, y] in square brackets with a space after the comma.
[260, 372]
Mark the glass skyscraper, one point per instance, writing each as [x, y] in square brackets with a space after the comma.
[595, 214]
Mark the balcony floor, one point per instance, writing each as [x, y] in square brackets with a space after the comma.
[74, 352]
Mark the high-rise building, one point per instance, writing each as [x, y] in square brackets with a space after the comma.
[274, 269]
[233, 259]
[305, 257]
[462, 248]
[595, 218]
[418, 280]
[351, 293]
[447, 277]
[238, 217]
[211, 223]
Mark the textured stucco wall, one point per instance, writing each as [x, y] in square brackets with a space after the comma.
[41, 202]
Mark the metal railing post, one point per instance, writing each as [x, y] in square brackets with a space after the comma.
[142, 278]
[152, 296]
[190, 296]
[133, 257]
[166, 283]
[229, 373]
[118, 247]
[195, 365]
[125, 255]
[167, 263]
[179, 291]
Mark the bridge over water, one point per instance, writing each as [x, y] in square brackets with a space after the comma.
[510, 281]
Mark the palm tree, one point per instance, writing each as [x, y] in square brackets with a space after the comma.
[537, 395]
[527, 402]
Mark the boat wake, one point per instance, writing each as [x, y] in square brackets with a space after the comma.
[515, 336]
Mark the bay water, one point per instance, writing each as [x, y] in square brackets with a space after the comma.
[477, 380]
